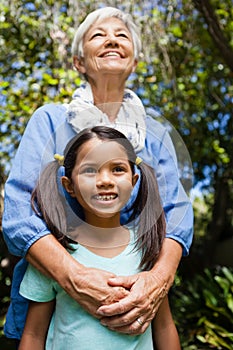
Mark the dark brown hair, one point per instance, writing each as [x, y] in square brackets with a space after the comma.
[145, 213]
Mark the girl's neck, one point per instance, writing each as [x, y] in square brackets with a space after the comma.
[104, 236]
[105, 242]
[102, 223]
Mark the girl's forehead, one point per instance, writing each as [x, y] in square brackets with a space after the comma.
[100, 151]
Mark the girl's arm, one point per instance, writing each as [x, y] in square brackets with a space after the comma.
[37, 324]
[165, 335]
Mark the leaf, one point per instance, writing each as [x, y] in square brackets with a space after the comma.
[228, 274]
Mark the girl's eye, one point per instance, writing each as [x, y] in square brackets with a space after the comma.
[89, 170]
[119, 169]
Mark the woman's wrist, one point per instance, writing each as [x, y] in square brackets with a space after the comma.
[52, 259]
[166, 266]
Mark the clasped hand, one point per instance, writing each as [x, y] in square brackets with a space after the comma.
[126, 304]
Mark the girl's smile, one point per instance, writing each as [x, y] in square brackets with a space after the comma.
[102, 180]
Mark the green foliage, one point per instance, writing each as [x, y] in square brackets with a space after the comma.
[203, 309]
[35, 38]
[186, 78]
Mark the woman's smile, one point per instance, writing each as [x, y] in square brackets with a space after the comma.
[111, 53]
[108, 48]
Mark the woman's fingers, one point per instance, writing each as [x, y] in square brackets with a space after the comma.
[133, 313]
[92, 290]
[133, 329]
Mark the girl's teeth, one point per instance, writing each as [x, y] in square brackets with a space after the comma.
[105, 197]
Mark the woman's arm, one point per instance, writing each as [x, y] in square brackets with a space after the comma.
[26, 234]
[36, 327]
[89, 288]
[165, 335]
[21, 226]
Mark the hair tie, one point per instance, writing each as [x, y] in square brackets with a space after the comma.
[138, 161]
[59, 158]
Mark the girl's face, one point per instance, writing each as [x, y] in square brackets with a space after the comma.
[102, 180]
[107, 49]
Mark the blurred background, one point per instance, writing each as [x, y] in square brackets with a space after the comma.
[186, 74]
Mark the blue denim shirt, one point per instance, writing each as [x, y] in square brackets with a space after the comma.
[47, 133]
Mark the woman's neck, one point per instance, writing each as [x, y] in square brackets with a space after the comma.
[108, 96]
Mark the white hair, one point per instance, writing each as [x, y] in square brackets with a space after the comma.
[106, 12]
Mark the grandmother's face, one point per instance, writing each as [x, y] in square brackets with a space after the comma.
[108, 49]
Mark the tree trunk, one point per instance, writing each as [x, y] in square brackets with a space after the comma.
[220, 226]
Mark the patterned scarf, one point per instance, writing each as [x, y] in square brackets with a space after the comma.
[82, 113]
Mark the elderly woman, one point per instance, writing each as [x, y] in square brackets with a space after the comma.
[105, 50]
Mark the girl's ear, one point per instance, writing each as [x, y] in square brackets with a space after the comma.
[135, 179]
[79, 64]
[68, 186]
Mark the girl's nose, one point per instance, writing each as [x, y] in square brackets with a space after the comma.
[104, 179]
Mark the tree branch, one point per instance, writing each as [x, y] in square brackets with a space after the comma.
[215, 31]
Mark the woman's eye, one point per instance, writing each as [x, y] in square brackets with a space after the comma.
[124, 35]
[96, 35]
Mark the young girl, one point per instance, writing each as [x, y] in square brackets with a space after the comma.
[101, 170]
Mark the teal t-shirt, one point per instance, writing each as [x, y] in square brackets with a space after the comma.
[71, 326]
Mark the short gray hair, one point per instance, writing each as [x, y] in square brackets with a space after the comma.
[105, 12]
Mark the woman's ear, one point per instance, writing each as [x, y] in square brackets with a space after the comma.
[135, 179]
[135, 65]
[78, 63]
[68, 186]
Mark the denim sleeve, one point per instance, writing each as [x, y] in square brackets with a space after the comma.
[161, 155]
[21, 226]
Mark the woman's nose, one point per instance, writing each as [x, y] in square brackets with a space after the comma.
[111, 40]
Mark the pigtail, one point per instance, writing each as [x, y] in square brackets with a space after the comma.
[150, 218]
[47, 202]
